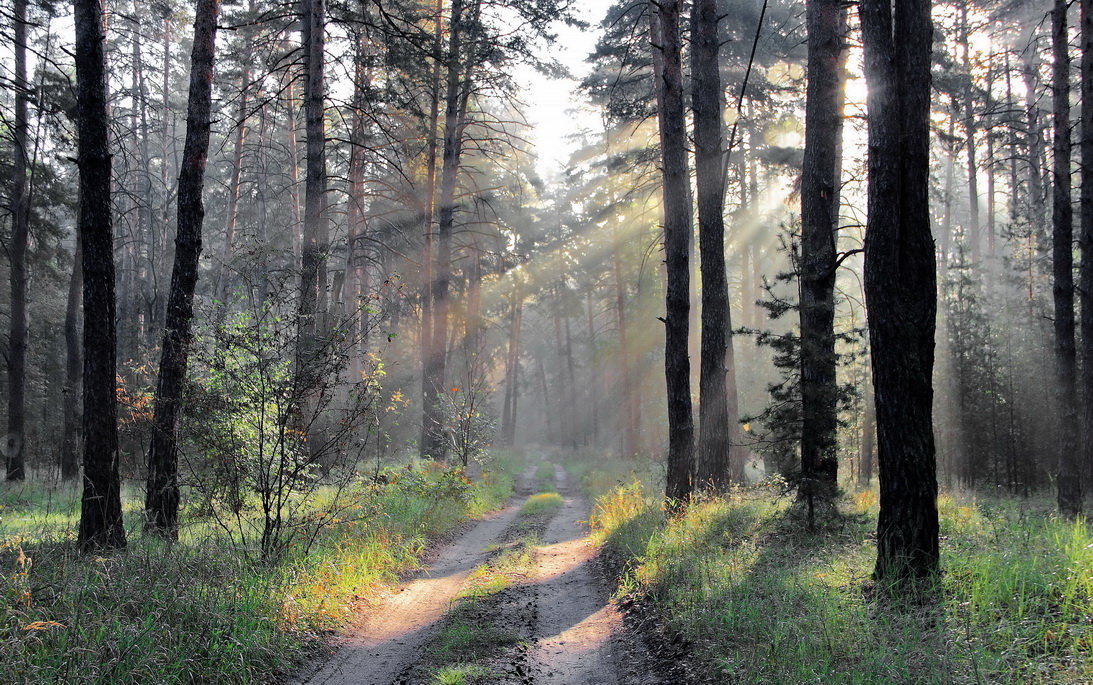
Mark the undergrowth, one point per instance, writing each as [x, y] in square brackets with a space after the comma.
[762, 600]
[203, 610]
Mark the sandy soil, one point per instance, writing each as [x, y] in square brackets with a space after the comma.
[576, 635]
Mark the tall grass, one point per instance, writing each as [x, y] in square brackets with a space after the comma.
[201, 610]
[762, 600]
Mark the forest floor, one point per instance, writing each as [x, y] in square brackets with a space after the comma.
[517, 597]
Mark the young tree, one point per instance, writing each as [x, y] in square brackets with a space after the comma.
[161, 502]
[676, 190]
[819, 219]
[900, 285]
[100, 509]
[17, 252]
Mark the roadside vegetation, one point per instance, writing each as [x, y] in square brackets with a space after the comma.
[761, 599]
[205, 609]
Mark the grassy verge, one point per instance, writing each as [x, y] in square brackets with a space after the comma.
[200, 611]
[761, 600]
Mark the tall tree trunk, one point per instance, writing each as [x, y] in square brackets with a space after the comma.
[631, 430]
[868, 435]
[433, 443]
[429, 212]
[291, 143]
[227, 250]
[900, 285]
[819, 221]
[1085, 270]
[974, 238]
[716, 427]
[100, 508]
[1037, 196]
[316, 238]
[17, 254]
[70, 441]
[1062, 218]
[512, 367]
[664, 31]
[593, 388]
[161, 500]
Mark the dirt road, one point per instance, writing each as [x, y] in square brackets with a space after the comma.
[577, 635]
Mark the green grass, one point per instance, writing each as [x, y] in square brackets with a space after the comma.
[461, 674]
[200, 610]
[544, 477]
[541, 503]
[764, 601]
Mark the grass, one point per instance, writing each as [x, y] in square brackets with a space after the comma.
[541, 503]
[199, 610]
[461, 674]
[761, 600]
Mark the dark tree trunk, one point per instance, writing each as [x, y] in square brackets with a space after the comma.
[17, 254]
[161, 501]
[819, 222]
[664, 31]
[100, 509]
[70, 442]
[316, 228]
[716, 426]
[1085, 274]
[1062, 218]
[900, 285]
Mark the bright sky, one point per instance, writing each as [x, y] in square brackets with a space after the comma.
[554, 109]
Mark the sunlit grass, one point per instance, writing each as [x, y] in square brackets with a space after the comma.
[762, 600]
[200, 610]
[541, 503]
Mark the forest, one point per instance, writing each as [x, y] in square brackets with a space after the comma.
[542, 341]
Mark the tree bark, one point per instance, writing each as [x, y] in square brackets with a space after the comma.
[716, 427]
[161, 500]
[664, 32]
[70, 442]
[17, 254]
[1069, 477]
[100, 507]
[819, 222]
[1085, 269]
[316, 237]
[900, 286]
